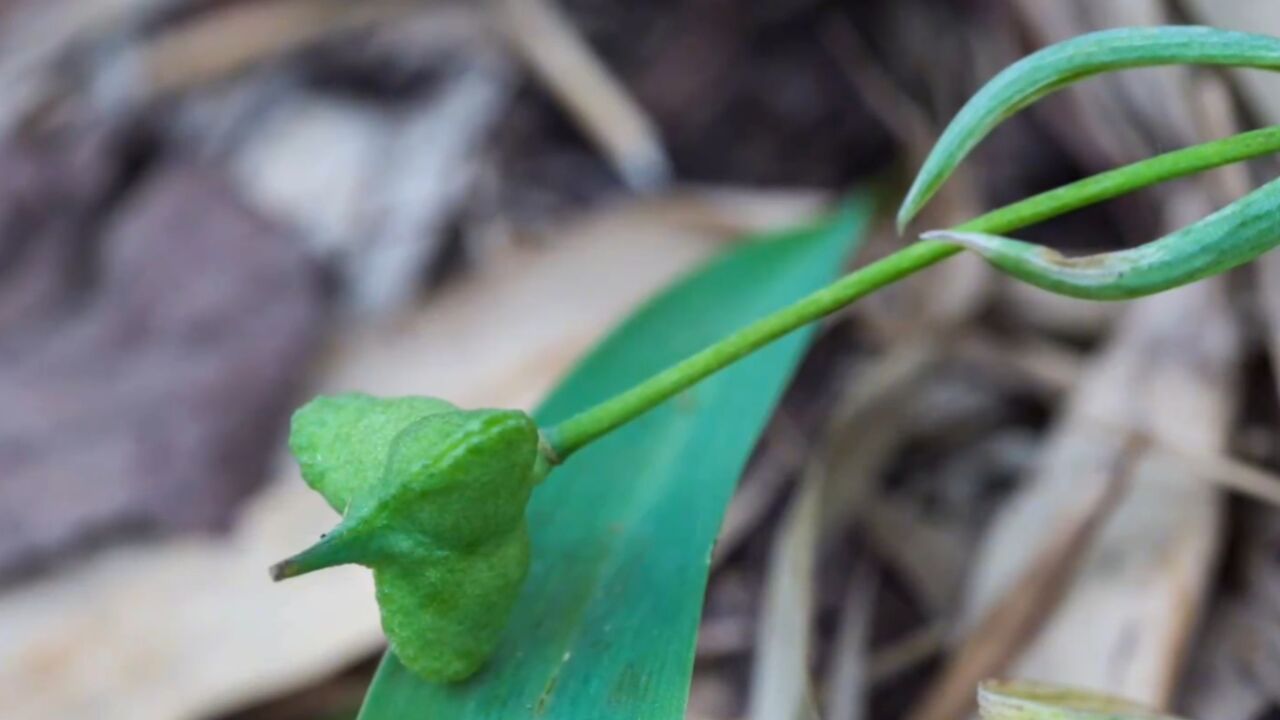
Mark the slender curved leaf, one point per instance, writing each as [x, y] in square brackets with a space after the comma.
[622, 533]
[1060, 65]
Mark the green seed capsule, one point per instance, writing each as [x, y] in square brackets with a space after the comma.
[1230, 237]
[433, 500]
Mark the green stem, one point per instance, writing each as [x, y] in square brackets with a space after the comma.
[581, 429]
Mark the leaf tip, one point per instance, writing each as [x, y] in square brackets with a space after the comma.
[907, 212]
[977, 242]
[921, 191]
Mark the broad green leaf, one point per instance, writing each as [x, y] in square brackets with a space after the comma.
[1059, 65]
[622, 533]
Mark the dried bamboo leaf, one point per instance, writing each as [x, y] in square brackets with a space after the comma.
[780, 681]
[561, 59]
[849, 680]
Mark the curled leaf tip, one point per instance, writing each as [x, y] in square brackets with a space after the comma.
[1002, 250]
[978, 242]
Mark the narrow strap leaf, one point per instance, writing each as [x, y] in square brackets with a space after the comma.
[1057, 66]
[1229, 237]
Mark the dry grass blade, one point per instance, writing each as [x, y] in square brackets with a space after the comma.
[780, 682]
[868, 425]
[1057, 315]
[849, 680]
[563, 61]
[1049, 367]
[1235, 672]
[1011, 623]
[1054, 370]
[923, 554]
[1228, 473]
[765, 481]
[909, 652]
[214, 45]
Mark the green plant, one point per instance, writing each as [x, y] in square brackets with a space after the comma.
[433, 499]
[423, 485]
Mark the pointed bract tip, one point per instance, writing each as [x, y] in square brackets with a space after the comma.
[336, 548]
[284, 570]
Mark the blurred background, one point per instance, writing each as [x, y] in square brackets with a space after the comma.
[211, 209]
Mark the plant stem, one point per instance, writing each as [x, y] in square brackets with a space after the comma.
[574, 433]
